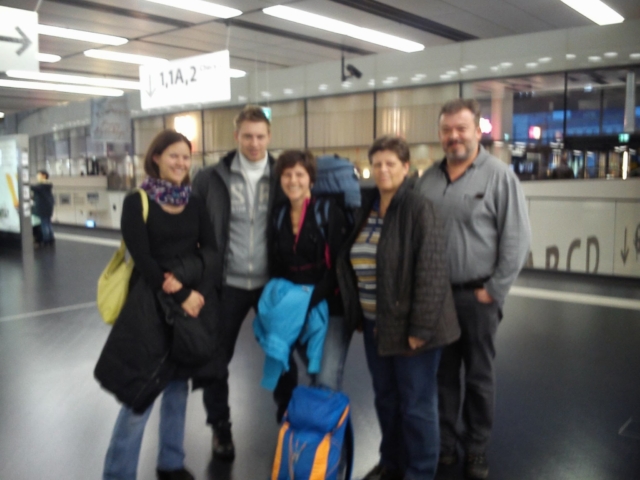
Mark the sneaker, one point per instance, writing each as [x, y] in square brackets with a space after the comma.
[182, 474]
[223, 448]
[476, 467]
[383, 473]
[448, 458]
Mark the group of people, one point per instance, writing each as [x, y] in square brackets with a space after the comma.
[422, 269]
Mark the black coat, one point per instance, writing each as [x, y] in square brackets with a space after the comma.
[414, 295]
[140, 357]
[42, 200]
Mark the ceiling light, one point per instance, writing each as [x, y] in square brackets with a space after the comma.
[506, 64]
[80, 35]
[463, 70]
[452, 72]
[288, 91]
[596, 11]
[343, 28]
[445, 77]
[124, 57]
[634, 56]
[265, 94]
[531, 65]
[323, 87]
[545, 59]
[200, 6]
[56, 87]
[346, 84]
[242, 98]
[495, 68]
[75, 79]
[570, 56]
[611, 54]
[392, 79]
[235, 73]
[470, 67]
[48, 58]
[371, 83]
[1, 114]
[420, 76]
[595, 58]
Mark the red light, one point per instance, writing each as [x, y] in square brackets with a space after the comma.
[535, 133]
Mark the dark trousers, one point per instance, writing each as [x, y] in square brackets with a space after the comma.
[235, 304]
[476, 351]
[406, 403]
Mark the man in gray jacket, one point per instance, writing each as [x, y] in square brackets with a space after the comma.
[240, 193]
[488, 238]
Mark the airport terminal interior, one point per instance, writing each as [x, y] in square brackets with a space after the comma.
[85, 85]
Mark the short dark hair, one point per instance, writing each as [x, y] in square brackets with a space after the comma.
[291, 158]
[397, 145]
[44, 173]
[251, 113]
[458, 104]
[159, 144]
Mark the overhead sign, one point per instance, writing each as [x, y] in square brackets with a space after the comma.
[18, 39]
[199, 79]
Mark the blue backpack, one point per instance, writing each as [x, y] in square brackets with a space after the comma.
[316, 437]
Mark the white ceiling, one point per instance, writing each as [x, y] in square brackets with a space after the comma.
[258, 42]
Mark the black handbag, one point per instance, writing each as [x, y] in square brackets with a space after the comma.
[192, 339]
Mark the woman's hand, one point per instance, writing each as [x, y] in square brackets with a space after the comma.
[193, 304]
[171, 284]
[415, 342]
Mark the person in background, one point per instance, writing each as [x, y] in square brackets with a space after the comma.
[42, 208]
[176, 232]
[487, 237]
[239, 193]
[394, 282]
[304, 249]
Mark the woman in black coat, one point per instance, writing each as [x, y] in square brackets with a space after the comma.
[394, 283]
[171, 285]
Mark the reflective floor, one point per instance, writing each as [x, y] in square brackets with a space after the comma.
[568, 380]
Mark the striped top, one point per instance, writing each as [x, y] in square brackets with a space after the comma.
[363, 260]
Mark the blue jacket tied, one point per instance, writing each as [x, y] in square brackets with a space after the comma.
[282, 319]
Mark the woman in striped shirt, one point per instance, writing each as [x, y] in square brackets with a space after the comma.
[394, 283]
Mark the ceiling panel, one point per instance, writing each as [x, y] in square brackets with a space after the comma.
[170, 33]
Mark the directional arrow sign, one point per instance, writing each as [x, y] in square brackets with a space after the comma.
[199, 79]
[18, 39]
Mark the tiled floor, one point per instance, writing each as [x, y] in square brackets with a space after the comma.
[568, 379]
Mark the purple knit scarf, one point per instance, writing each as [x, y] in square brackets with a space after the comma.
[166, 193]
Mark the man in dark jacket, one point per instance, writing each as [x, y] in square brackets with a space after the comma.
[488, 237]
[43, 206]
[240, 192]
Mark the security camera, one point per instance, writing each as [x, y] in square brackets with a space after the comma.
[353, 71]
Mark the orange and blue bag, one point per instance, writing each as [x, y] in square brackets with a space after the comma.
[316, 437]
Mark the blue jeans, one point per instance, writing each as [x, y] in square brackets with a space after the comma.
[121, 462]
[406, 400]
[47, 230]
[334, 356]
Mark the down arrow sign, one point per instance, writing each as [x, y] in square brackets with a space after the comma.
[24, 40]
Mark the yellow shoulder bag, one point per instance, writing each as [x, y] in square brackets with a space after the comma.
[113, 284]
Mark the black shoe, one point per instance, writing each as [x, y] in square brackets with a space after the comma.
[448, 458]
[476, 467]
[223, 448]
[383, 473]
[182, 474]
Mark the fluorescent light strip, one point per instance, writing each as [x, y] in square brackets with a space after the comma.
[235, 73]
[596, 11]
[1, 114]
[48, 58]
[343, 28]
[75, 79]
[199, 6]
[124, 57]
[54, 87]
[80, 35]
